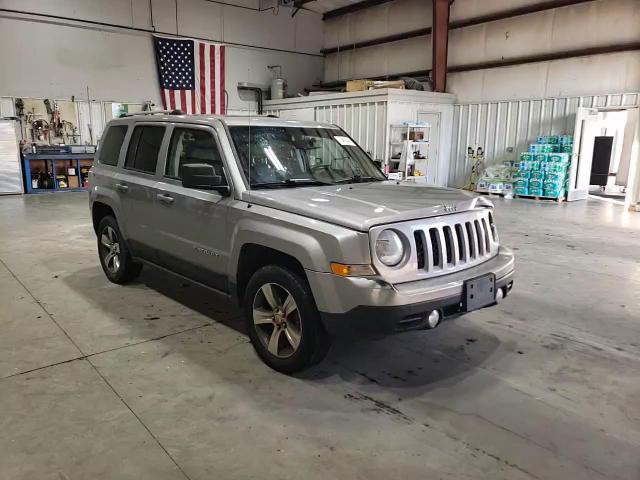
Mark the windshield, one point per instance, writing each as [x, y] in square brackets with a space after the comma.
[295, 156]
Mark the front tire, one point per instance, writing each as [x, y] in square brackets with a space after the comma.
[114, 254]
[283, 321]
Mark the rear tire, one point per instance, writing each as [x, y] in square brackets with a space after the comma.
[283, 321]
[114, 254]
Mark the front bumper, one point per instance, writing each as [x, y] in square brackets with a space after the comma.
[352, 303]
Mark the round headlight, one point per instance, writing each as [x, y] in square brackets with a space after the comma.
[389, 248]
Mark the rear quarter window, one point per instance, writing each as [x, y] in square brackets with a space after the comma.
[111, 144]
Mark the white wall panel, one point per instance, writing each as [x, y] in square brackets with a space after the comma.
[567, 28]
[7, 107]
[116, 11]
[465, 9]
[90, 122]
[497, 126]
[614, 72]
[48, 60]
[53, 59]
[589, 24]
[377, 21]
[387, 59]
[197, 18]
[365, 122]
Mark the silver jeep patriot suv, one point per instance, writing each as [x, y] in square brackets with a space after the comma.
[294, 222]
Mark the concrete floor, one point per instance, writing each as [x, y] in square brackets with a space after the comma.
[156, 381]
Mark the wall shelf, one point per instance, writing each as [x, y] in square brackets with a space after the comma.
[49, 172]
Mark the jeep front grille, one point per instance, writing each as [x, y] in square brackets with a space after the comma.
[442, 245]
[462, 242]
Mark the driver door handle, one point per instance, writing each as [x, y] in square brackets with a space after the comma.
[163, 197]
[122, 187]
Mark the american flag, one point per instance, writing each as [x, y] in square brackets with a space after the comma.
[191, 75]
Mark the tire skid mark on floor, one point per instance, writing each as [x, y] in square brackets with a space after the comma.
[380, 407]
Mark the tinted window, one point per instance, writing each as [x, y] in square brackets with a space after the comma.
[144, 148]
[111, 144]
[192, 146]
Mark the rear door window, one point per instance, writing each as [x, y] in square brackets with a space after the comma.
[111, 144]
[144, 148]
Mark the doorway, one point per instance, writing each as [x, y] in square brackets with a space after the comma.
[432, 138]
[601, 164]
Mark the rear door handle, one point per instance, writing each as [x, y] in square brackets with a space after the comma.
[122, 187]
[163, 197]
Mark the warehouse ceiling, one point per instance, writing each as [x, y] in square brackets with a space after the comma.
[324, 6]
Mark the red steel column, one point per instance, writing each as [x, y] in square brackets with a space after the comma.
[440, 42]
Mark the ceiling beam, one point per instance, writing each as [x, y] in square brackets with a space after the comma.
[515, 12]
[354, 7]
[546, 57]
[378, 41]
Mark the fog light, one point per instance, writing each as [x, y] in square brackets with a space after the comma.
[433, 319]
[499, 295]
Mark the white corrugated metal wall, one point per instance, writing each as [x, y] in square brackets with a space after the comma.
[365, 122]
[498, 126]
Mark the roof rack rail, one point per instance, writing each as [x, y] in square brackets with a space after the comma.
[154, 112]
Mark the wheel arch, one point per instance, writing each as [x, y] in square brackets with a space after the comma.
[99, 210]
[252, 257]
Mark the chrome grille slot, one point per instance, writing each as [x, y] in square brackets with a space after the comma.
[448, 243]
[462, 253]
[487, 240]
[421, 251]
[441, 245]
[472, 241]
[476, 226]
[492, 227]
[436, 247]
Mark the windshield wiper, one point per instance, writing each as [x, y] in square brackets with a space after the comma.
[290, 182]
[359, 179]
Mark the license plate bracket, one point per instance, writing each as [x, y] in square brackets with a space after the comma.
[479, 292]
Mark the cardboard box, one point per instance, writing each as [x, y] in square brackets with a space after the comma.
[358, 85]
[73, 182]
[555, 177]
[554, 193]
[414, 135]
[559, 157]
[364, 84]
[536, 184]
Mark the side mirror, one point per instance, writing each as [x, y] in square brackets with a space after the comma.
[202, 176]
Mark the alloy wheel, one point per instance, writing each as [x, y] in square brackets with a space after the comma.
[111, 249]
[277, 320]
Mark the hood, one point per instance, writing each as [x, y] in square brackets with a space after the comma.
[360, 206]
